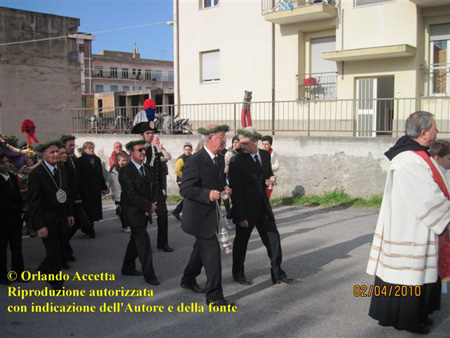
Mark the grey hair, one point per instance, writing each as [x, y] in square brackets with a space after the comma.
[416, 122]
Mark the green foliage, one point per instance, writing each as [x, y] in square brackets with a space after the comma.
[332, 198]
[174, 198]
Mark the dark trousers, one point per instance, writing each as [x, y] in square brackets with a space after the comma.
[270, 237]
[206, 253]
[162, 220]
[81, 221]
[139, 246]
[179, 207]
[54, 245]
[11, 233]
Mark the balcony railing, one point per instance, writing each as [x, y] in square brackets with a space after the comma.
[270, 6]
[370, 118]
[106, 74]
[437, 79]
[317, 86]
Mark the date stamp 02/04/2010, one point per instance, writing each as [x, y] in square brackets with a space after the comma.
[387, 290]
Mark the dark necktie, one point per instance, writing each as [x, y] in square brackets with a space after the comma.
[141, 170]
[257, 161]
[216, 161]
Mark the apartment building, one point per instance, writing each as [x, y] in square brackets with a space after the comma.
[370, 61]
[122, 79]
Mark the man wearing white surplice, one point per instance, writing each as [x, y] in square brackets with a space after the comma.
[404, 251]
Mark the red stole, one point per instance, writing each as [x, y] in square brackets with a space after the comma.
[444, 238]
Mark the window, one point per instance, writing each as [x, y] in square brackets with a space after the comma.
[157, 75]
[369, 2]
[133, 75]
[114, 88]
[98, 72]
[126, 88]
[209, 3]
[139, 88]
[81, 47]
[148, 74]
[99, 88]
[124, 73]
[113, 72]
[210, 66]
[171, 76]
[440, 59]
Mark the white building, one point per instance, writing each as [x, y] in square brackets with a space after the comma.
[368, 60]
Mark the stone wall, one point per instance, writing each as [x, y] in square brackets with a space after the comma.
[309, 165]
[37, 80]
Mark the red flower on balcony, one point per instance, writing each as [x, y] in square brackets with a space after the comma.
[309, 82]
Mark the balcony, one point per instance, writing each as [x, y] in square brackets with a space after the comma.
[285, 12]
[437, 79]
[430, 3]
[317, 86]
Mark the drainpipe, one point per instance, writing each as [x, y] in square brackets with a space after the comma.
[273, 79]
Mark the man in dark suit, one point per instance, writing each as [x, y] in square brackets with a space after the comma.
[76, 190]
[50, 208]
[154, 158]
[138, 203]
[11, 209]
[203, 180]
[248, 173]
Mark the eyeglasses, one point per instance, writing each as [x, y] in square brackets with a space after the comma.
[140, 149]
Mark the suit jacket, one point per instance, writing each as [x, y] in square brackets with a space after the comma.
[200, 176]
[93, 183]
[138, 194]
[247, 180]
[43, 208]
[11, 203]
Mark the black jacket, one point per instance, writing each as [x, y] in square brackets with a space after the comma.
[200, 176]
[11, 204]
[93, 183]
[138, 194]
[43, 208]
[247, 180]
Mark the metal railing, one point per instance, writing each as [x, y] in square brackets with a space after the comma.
[117, 75]
[362, 118]
[269, 6]
[317, 86]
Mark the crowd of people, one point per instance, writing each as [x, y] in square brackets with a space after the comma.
[64, 193]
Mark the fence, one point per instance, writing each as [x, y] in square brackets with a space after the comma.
[368, 117]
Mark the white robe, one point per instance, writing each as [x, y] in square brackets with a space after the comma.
[413, 213]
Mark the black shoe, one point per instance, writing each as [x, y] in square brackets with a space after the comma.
[243, 281]
[65, 266]
[284, 279]
[176, 215]
[219, 302]
[71, 258]
[194, 287]
[153, 281]
[56, 285]
[90, 234]
[423, 329]
[427, 322]
[132, 273]
[5, 281]
[166, 248]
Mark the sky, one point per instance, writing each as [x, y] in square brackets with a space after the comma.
[154, 40]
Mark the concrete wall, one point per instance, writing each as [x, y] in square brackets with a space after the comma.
[308, 165]
[37, 81]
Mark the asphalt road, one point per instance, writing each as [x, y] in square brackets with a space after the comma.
[324, 249]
